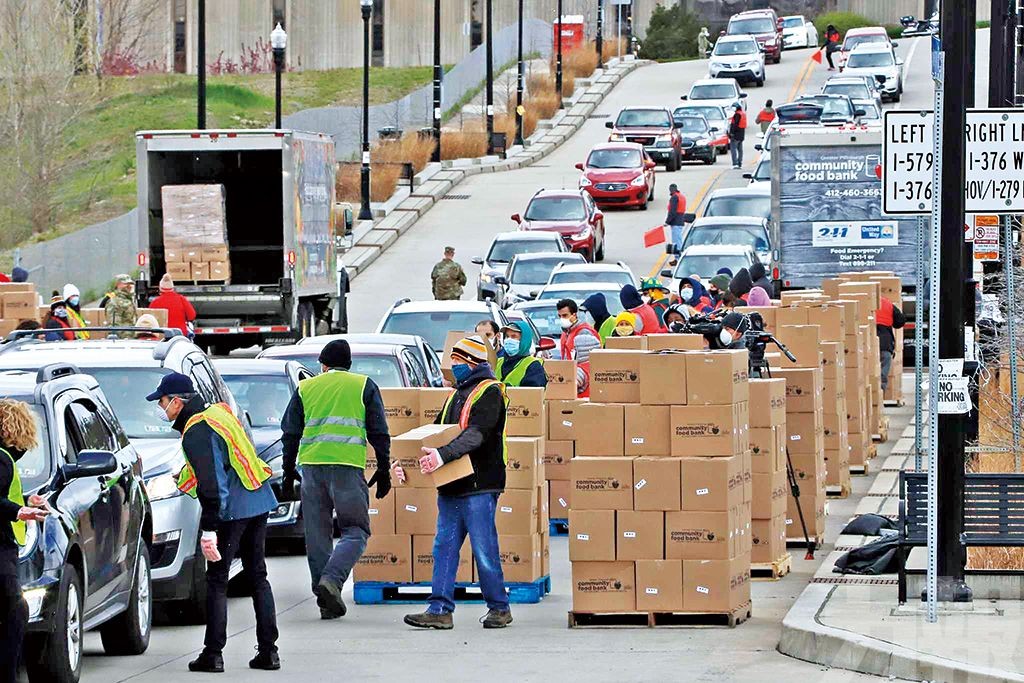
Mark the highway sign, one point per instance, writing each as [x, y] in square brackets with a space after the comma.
[907, 159]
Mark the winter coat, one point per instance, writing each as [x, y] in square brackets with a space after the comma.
[179, 311]
[759, 277]
[631, 301]
[701, 300]
[597, 306]
[741, 283]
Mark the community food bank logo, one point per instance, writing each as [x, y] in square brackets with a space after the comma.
[601, 585]
[691, 535]
[379, 559]
[598, 484]
[398, 411]
[616, 376]
[518, 411]
[698, 429]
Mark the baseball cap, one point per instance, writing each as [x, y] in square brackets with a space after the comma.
[172, 384]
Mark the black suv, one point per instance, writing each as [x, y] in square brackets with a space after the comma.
[87, 565]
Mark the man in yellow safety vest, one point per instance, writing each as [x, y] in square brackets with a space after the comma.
[517, 366]
[326, 428]
[223, 471]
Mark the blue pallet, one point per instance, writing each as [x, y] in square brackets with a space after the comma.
[387, 593]
[558, 527]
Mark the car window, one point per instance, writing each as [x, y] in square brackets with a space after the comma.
[34, 466]
[869, 59]
[871, 112]
[792, 22]
[751, 25]
[853, 41]
[126, 389]
[735, 47]
[713, 91]
[555, 209]
[264, 397]
[709, 113]
[739, 206]
[433, 366]
[706, 265]
[618, 276]
[732, 234]
[692, 124]
[93, 433]
[831, 106]
[502, 251]
[763, 171]
[414, 368]
[433, 326]
[383, 370]
[120, 438]
[857, 91]
[614, 158]
[203, 380]
[534, 272]
[643, 118]
[578, 295]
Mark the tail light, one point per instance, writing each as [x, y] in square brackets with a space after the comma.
[142, 259]
[775, 273]
[291, 258]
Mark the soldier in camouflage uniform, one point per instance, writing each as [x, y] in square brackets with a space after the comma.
[447, 277]
[120, 307]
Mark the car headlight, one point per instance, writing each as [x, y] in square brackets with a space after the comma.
[34, 598]
[703, 142]
[582, 234]
[616, 137]
[162, 486]
[485, 277]
[639, 181]
[31, 536]
[585, 181]
[663, 141]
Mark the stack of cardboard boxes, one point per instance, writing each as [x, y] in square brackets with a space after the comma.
[402, 524]
[771, 486]
[661, 484]
[18, 302]
[560, 393]
[195, 232]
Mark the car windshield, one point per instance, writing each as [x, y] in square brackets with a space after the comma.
[713, 91]
[733, 234]
[857, 91]
[709, 113]
[706, 265]
[535, 271]
[831, 106]
[808, 113]
[871, 112]
[34, 465]
[126, 389]
[265, 397]
[763, 171]
[578, 295]
[614, 158]
[692, 124]
[735, 47]
[752, 25]
[555, 209]
[619, 276]
[433, 326]
[545, 318]
[643, 118]
[869, 60]
[792, 22]
[383, 370]
[853, 41]
[502, 251]
[760, 205]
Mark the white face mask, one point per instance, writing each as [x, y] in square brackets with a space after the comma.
[646, 299]
[725, 336]
[565, 323]
[686, 293]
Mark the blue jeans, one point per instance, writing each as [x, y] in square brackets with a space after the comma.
[455, 518]
[328, 492]
[677, 238]
[736, 150]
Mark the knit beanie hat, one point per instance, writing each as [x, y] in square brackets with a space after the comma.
[472, 348]
[166, 283]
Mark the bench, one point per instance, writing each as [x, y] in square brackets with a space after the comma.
[993, 514]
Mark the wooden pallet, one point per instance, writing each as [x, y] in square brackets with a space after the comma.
[801, 542]
[558, 527]
[894, 403]
[883, 431]
[837, 490]
[860, 470]
[388, 593]
[872, 452]
[771, 571]
[660, 619]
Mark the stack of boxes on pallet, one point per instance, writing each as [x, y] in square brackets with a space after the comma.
[195, 232]
[771, 485]
[402, 524]
[559, 446]
[661, 483]
[18, 303]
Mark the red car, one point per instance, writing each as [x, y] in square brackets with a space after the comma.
[618, 174]
[572, 214]
[765, 26]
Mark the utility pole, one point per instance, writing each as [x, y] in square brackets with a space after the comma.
[558, 60]
[490, 80]
[519, 80]
[365, 211]
[201, 64]
[438, 75]
[600, 33]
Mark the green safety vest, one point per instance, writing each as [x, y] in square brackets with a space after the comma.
[467, 407]
[15, 495]
[335, 431]
[606, 329]
[515, 378]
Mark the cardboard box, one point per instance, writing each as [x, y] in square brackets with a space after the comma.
[159, 313]
[602, 483]
[851, 313]
[200, 271]
[813, 506]
[891, 287]
[559, 499]
[806, 433]
[716, 585]
[516, 513]
[837, 467]
[543, 506]
[20, 305]
[770, 491]
[217, 252]
[804, 387]
[655, 484]
[179, 271]
[545, 554]
[769, 539]
[787, 315]
[809, 470]
[763, 445]
[867, 287]
[219, 270]
[599, 429]
[615, 376]
[767, 402]
[675, 342]
[415, 511]
[526, 415]
[803, 343]
[711, 484]
[524, 464]
[711, 430]
[562, 419]
[639, 535]
[432, 401]
[556, 457]
[637, 343]
[7, 326]
[831, 320]
[659, 585]
[833, 359]
[603, 587]
[663, 378]
[94, 317]
[767, 314]
[561, 380]
[591, 535]
[520, 557]
[647, 430]
[401, 409]
[406, 450]
[701, 535]
[423, 560]
[386, 558]
[382, 514]
[833, 396]
[716, 377]
[173, 253]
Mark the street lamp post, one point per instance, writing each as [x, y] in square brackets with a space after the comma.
[278, 43]
[490, 80]
[365, 214]
[438, 75]
[558, 61]
[519, 82]
[201, 64]
[600, 33]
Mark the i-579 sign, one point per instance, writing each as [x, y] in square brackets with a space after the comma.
[994, 162]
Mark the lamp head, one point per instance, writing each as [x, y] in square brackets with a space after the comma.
[278, 38]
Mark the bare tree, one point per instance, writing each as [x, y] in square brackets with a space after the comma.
[121, 29]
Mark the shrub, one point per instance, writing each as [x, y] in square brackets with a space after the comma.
[894, 31]
[843, 21]
[671, 34]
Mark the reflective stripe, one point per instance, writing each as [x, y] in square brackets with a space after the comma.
[251, 471]
[517, 374]
[467, 407]
[335, 428]
[335, 438]
[343, 421]
[16, 496]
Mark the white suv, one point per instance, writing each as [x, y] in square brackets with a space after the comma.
[739, 57]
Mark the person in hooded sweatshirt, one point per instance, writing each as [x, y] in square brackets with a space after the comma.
[648, 321]
[517, 366]
[693, 294]
[759, 277]
[741, 284]
[597, 306]
[656, 294]
[717, 288]
[758, 297]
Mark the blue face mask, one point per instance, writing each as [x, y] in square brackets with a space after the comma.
[73, 301]
[511, 346]
[461, 371]
[60, 313]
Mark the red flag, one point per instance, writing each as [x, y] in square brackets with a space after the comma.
[654, 236]
[817, 56]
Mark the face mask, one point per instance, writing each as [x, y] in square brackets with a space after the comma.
[686, 293]
[676, 327]
[725, 336]
[624, 331]
[564, 323]
[60, 313]
[511, 346]
[461, 371]
[162, 414]
[73, 301]
[646, 299]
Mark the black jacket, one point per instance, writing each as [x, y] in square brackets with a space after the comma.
[482, 439]
[8, 513]
[675, 216]
[886, 338]
[759, 278]
[736, 132]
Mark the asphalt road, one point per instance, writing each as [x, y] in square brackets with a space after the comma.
[371, 643]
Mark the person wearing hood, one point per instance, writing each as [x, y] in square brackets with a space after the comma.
[725, 271]
[759, 277]
[655, 294]
[179, 310]
[468, 505]
[19, 274]
[704, 42]
[625, 325]
[73, 303]
[517, 366]
[717, 288]
[577, 341]
[734, 326]
[741, 284]
[648, 321]
[57, 320]
[676, 317]
[597, 306]
[758, 297]
[693, 294]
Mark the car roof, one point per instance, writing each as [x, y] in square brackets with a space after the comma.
[698, 103]
[617, 145]
[793, 16]
[865, 31]
[642, 107]
[17, 383]
[250, 366]
[719, 221]
[458, 305]
[527, 236]
[592, 267]
[872, 47]
[545, 256]
[596, 286]
[95, 352]
[753, 13]
[736, 38]
[745, 191]
[533, 303]
[847, 79]
[716, 81]
[358, 349]
[716, 249]
[362, 337]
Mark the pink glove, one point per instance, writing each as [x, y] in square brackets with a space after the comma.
[398, 471]
[430, 461]
[208, 544]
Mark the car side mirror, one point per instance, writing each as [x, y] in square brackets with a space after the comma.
[895, 43]
[715, 129]
[609, 124]
[748, 176]
[859, 112]
[759, 148]
[477, 261]
[90, 464]
[500, 280]
[598, 216]
[899, 61]
[517, 218]
[743, 95]
[546, 344]
[689, 217]
[666, 273]
[534, 293]
[683, 97]
[579, 167]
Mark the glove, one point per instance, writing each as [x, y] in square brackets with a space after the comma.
[208, 544]
[398, 471]
[430, 461]
[290, 484]
[382, 478]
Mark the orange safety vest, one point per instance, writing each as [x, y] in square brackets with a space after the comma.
[478, 392]
[251, 471]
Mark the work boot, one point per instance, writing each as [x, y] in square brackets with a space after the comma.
[328, 599]
[266, 661]
[441, 622]
[207, 663]
[497, 618]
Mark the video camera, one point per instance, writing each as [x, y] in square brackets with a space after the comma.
[755, 337]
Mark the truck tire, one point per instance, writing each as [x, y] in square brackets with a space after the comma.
[56, 657]
[128, 632]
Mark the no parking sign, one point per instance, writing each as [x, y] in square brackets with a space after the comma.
[986, 238]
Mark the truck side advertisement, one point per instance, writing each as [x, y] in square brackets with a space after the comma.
[314, 219]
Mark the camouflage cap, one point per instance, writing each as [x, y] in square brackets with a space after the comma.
[123, 279]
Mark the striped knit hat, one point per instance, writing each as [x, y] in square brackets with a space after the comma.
[471, 348]
[56, 301]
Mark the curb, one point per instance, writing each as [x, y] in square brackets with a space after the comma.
[805, 637]
[436, 180]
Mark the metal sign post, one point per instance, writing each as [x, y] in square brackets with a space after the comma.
[1010, 326]
[919, 341]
